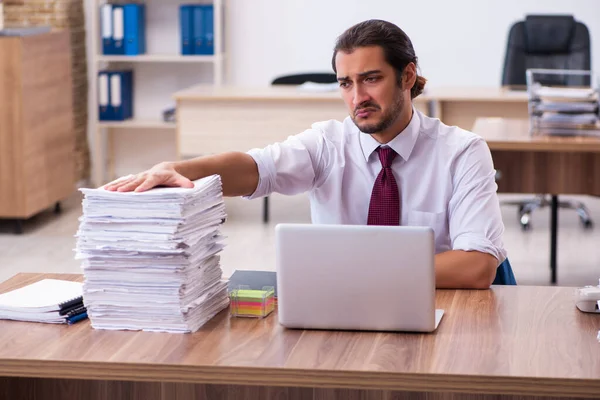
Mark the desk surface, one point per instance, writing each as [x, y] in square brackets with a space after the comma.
[285, 92]
[513, 134]
[519, 340]
[477, 94]
[279, 92]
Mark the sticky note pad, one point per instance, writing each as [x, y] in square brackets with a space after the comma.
[252, 303]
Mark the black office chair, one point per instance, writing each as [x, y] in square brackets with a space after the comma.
[551, 42]
[297, 79]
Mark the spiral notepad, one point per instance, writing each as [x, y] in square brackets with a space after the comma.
[42, 296]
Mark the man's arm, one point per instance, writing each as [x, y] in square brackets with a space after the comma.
[475, 223]
[238, 171]
[289, 167]
[457, 269]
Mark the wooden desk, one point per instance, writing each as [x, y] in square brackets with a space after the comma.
[526, 341]
[541, 164]
[462, 106]
[215, 119]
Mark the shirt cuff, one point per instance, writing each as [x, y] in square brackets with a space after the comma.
[266, 173]
[468, 242]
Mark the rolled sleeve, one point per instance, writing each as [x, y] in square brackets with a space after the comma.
[467, 242]
[475, 220]
[289, 167]
[266, 172]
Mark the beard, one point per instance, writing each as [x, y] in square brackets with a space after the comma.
[387, 119]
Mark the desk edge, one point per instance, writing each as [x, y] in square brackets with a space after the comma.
[262, 376]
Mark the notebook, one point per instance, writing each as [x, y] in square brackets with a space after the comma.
[41, 301]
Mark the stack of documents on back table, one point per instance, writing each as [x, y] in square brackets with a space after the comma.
[150, 259]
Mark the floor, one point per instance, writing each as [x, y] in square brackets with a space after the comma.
[48, 241]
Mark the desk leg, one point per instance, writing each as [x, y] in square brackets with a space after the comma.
[553, 236]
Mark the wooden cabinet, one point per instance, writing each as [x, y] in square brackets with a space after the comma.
[37, 139]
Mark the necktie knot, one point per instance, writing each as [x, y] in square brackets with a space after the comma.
[386, 156]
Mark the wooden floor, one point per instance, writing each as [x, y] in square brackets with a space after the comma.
[48, 242]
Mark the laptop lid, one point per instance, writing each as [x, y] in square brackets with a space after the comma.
[355, 277]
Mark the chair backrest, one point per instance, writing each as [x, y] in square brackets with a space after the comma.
[299, 79]
[504, 274]
[547, 41]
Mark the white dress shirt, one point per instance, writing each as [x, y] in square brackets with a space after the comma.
[445, 176]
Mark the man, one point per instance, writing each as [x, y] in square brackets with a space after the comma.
[385, 164]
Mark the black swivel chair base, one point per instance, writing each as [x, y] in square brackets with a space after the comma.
[541, 201]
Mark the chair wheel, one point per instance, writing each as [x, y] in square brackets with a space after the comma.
[587, 224]
[525, 227]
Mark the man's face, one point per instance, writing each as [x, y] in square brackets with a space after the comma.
[369, 88]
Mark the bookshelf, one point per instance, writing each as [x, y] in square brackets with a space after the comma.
[159, 73]
[137, 124]
[159, 58]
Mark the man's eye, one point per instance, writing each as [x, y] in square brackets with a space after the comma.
[343, 84]
[371, 79]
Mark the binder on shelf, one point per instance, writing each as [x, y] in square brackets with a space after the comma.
[118, 29]
[121, 95]
[104, 110]
[209, 31]
[106, 19]
[115, 95]
[186, 24]
[198, 34]
[135, 29]
[203, 29]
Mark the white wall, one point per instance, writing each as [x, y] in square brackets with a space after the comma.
[459, 43]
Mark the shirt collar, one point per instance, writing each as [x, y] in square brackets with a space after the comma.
[402, 144]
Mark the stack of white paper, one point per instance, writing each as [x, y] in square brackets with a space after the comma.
[150, 259]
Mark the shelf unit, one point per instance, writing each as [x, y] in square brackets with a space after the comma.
[159, 58]
[103, 132]
[137, 124]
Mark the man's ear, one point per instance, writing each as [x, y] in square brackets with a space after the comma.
[409, 76]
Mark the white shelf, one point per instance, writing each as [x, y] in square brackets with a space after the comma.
[137, 124]
[153, 88]
[159, 58]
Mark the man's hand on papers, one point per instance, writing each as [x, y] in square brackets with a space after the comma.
[163, 174]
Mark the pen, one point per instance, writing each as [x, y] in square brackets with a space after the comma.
[77, 318]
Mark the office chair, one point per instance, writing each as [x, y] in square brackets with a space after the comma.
[504, 274]
[552, 42]
[297, 79]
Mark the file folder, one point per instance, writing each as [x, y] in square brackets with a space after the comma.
[135, 29]
[186, 25]
[198, 30]
[121, 95]
[118, 30]
[104, 111]
[209, 33]
[106, 24]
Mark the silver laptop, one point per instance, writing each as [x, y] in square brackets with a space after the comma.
[351, 277]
